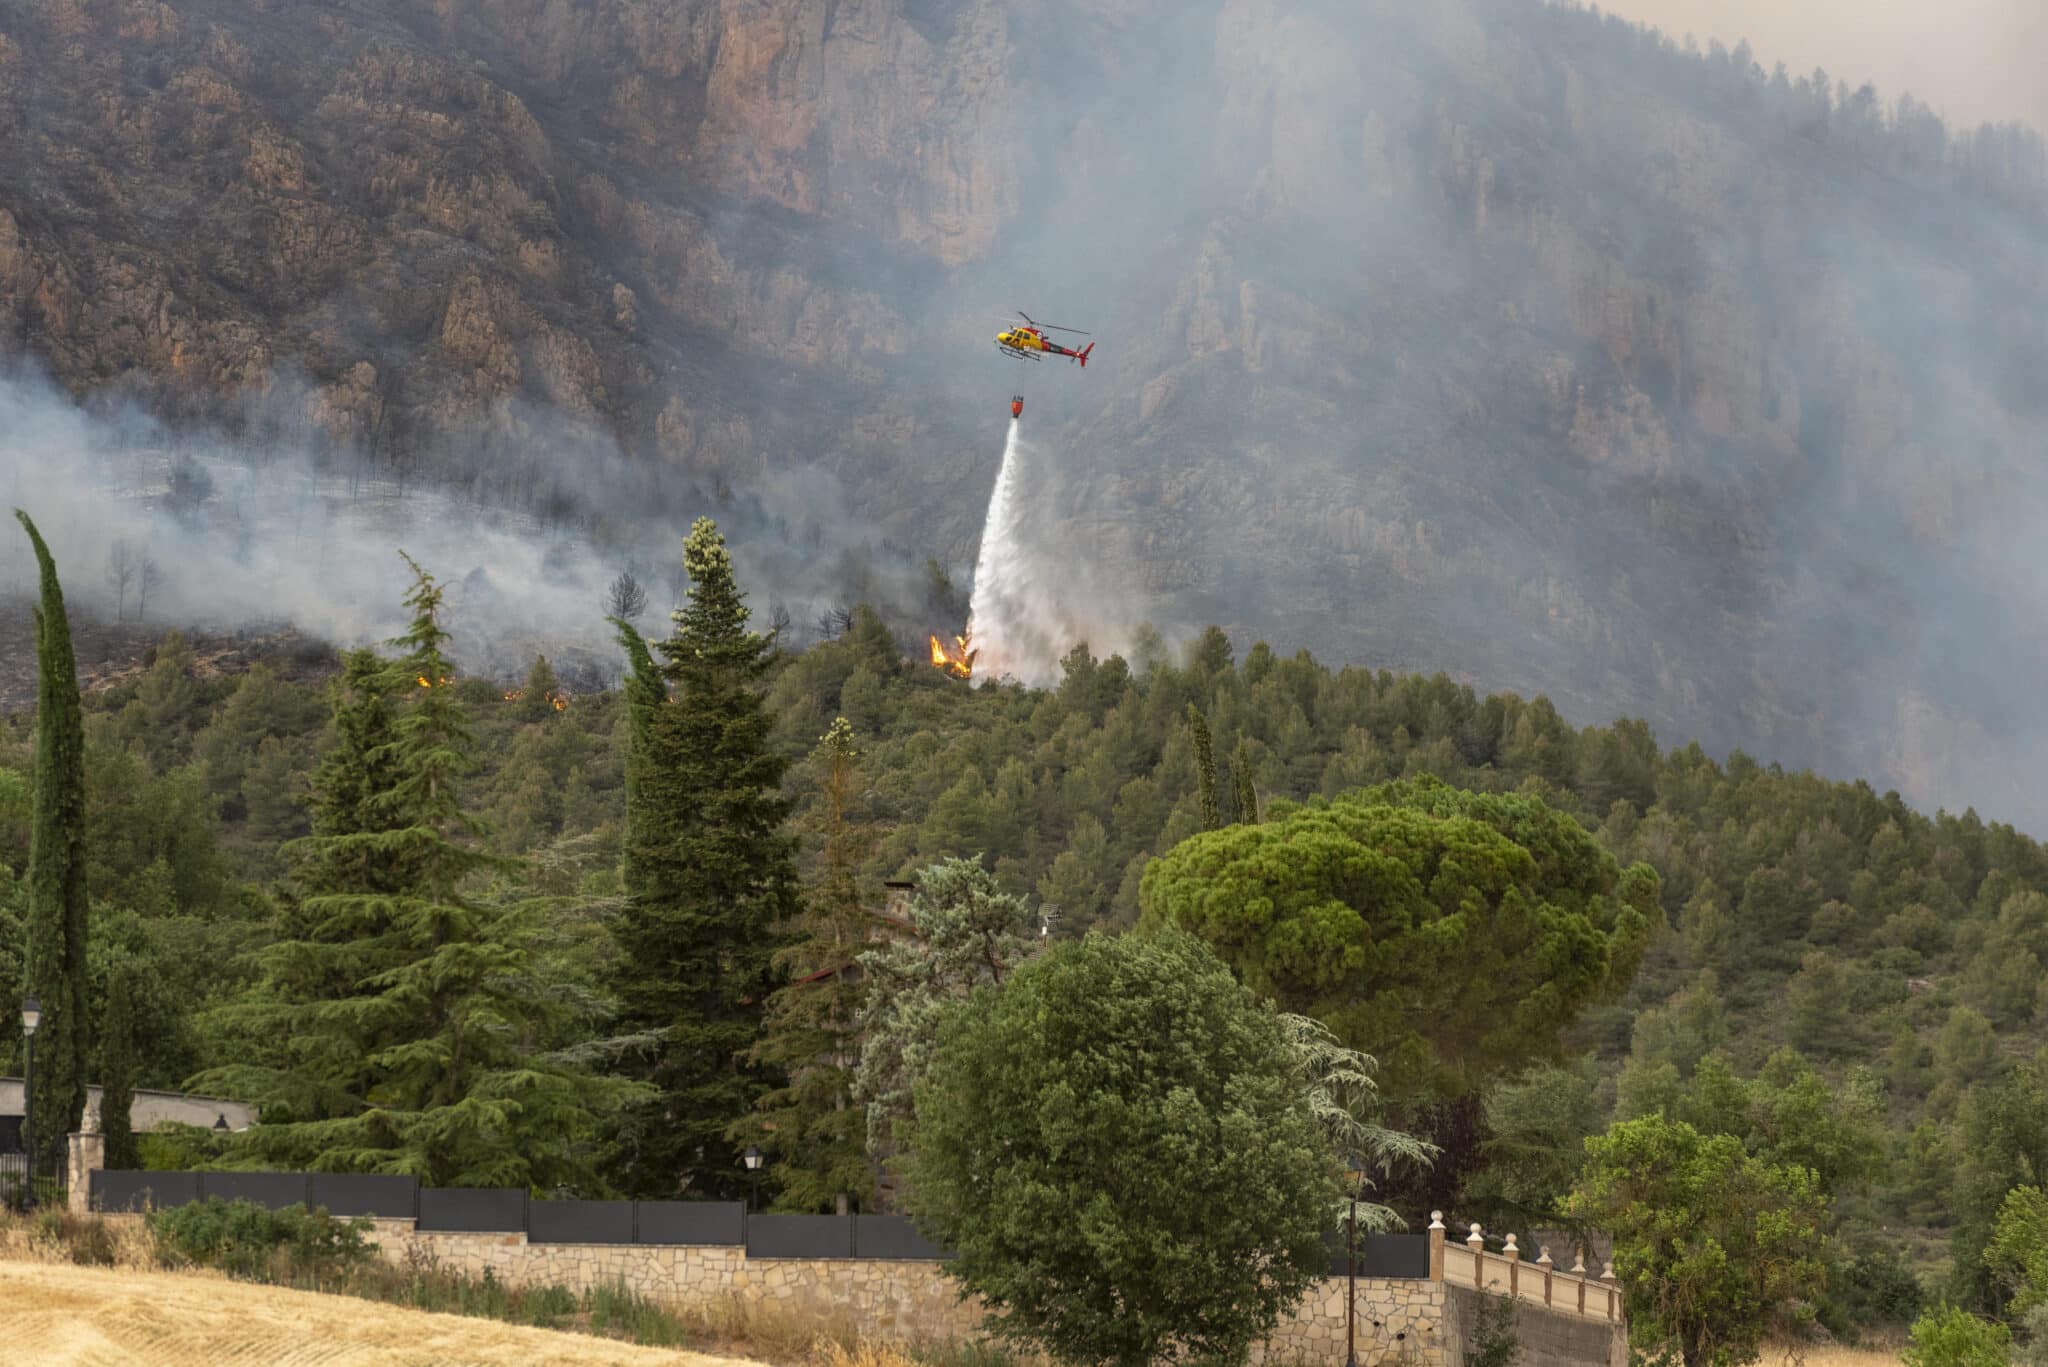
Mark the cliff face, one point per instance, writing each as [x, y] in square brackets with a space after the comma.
[1477, 335]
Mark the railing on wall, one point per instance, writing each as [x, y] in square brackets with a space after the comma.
[1575, 1292]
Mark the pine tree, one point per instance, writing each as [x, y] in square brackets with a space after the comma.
[1205, 767]
[410, 1012]
[812, 1125]
[710, 876]
[117, 1077]
[352, 787]
[57, 912]
[1241, 784]
[537, 697]
[968, 932]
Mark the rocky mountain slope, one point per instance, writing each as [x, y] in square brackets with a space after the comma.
[1482, 335]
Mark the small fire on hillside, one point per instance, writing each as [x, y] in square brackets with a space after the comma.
[956, 659]
[557, 698]
[446, 679]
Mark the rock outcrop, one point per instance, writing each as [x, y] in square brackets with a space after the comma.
[1481, 335]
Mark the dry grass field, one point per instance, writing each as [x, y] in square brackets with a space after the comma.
[1830, 1357]
[60, 1315]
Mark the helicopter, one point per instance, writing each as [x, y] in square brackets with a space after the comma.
[1029, 343]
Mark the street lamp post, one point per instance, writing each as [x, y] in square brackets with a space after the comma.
[1354, 1172]
[753, 1161]
[31, 1017]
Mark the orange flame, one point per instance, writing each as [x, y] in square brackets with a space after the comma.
[957, 660]
[515, 695]
[446, 679]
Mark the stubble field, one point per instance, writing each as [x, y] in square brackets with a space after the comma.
[59, 1315]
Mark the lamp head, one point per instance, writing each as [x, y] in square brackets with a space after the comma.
[31, 1015]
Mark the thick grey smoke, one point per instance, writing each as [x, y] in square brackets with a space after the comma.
[234, 546]
[1979, 61]
[1471, 335]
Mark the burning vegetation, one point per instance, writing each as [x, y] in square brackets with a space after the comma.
[446, 679]
[956, 659]
[557, 698]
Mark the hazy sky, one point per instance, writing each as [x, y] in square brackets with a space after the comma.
[1973, 60]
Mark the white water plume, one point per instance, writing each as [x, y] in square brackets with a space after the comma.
[998, 616]
[1024, 617]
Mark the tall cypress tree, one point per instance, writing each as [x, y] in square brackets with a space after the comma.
[812, 1124]
[1205, 767]
[57, 918]
[117, 1077]
[1247, 796]
[410, 1012]
[645, 692]
[710, 876]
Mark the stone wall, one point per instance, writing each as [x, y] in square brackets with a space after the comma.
[1549, 1338]
[908, 1298]
[1397, 1321]
[1426, 1322]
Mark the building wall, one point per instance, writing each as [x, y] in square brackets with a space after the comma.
[150, 1110]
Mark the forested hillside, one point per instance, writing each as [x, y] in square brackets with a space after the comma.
[1876, 974]
[1494, 337]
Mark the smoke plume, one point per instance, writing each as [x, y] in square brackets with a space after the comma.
[314, 544]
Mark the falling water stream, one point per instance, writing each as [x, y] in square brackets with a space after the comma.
[997, 613]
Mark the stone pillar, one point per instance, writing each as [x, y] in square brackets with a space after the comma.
[87, 1156]
[1514, 1257]
[1476, 1241]
[1543, 1261]
[1436, 1245]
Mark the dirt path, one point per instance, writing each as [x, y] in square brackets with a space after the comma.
[57, 1315]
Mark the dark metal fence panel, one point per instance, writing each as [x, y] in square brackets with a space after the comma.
[383, 1195]
[800, 1236]
[891, 1236]
[481, 1210]
[271, 1190]
[579, 1222]
[691, 1222]
[1392, 1257]
[115, 1191]
[1333, 1244]
[1398, 1256]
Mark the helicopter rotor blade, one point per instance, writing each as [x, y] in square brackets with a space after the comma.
[1050, 327]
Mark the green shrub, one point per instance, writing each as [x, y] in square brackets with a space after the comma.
[1949, 1337]
[1877, 1287]
[1494, 1342]
[244, 1239]
[178, 1147]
